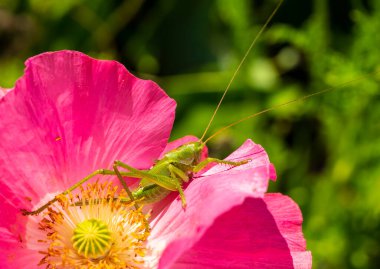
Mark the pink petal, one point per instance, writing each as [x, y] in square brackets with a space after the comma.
[14, 254]
[209, 196]
[248, 151]
[260, 233]
[4, 91]
[272, 173]
[70, 115]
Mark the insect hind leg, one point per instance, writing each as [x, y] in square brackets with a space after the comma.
[172, 183]
[164, 181]
[76, 185]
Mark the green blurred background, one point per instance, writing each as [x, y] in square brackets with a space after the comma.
[326, 149]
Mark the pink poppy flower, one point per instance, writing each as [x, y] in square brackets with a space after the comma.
[70, 115]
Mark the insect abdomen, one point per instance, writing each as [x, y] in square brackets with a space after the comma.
[151, 193]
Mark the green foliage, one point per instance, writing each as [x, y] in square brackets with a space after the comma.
[326, 149]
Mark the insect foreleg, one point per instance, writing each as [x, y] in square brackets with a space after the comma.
[207, 161]
[174, 171]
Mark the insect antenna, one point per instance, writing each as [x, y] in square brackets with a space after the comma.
[254, 41]
[330, 89]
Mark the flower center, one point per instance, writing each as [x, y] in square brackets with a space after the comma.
[92, 238]
[94, 229]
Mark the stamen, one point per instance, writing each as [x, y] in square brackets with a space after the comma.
[103, 232]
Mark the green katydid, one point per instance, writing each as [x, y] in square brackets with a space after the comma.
[174, 169]
[168, 174]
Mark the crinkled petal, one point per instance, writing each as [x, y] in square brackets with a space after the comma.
[20, 251]
[22, 258]
[208, 196]
[260, 233]
[69, 115]
[250, 151]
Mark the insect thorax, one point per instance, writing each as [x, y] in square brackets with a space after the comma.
[188, 154]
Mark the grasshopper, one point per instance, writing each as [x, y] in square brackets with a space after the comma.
[178, 165]
[169, 173]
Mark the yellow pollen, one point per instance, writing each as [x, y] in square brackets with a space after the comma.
[95, 229]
